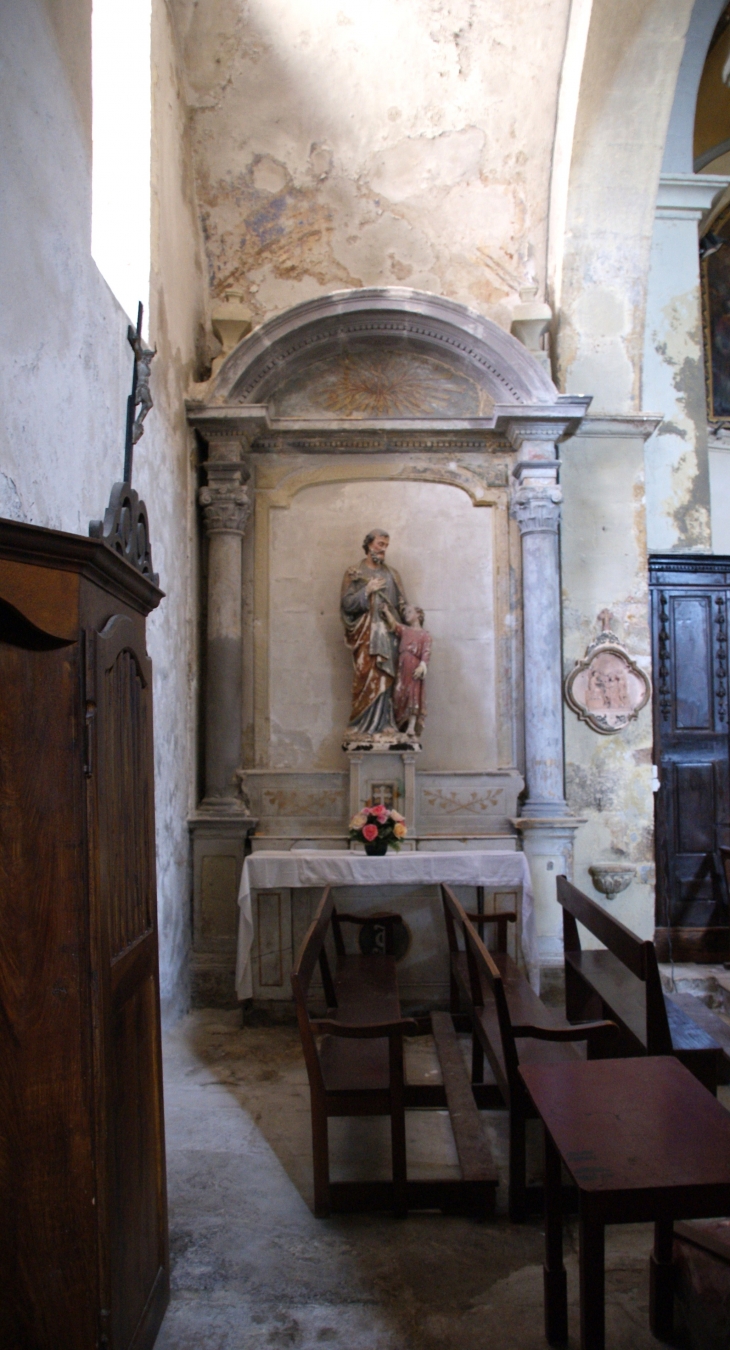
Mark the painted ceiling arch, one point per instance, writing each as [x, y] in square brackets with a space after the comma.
[381, 353]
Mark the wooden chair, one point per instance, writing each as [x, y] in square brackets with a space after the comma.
[506, 1011]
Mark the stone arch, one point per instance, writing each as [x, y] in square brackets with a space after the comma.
[625, 64]
[678, 153]
[477, 365]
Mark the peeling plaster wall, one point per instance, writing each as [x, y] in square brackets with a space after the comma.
[341, 145]
[677, 466]
[682, 490]
[603, 548]
[66, 367]
[632, 55]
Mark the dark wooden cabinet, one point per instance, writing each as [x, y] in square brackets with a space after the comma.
[83, 1209]
[690, 659]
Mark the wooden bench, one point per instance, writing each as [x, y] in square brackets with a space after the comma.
[510, 1026]
[622, 982]
[357, 1069]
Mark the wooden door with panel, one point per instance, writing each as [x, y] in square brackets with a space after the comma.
[689, 634]
[48, 1226]
[134, 1265]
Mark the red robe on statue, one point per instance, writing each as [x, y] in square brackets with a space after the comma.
[409, 695]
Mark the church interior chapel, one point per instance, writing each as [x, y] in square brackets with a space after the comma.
[364, 762]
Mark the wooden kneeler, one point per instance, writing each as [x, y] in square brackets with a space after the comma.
[358, 1070]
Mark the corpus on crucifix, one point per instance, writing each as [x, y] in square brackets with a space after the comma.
[140, 397]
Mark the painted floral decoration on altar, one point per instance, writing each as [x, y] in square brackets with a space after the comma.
[378, 828]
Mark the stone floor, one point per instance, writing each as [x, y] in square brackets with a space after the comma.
[252, 1267]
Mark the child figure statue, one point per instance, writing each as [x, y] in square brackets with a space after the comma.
[414, 654]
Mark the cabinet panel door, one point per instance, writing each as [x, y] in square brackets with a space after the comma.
[48, 1239]
[689, 608]
[136, 1258]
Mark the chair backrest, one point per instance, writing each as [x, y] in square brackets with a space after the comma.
[311, 952]
[484, 975]
[499, 920]
[637, 954]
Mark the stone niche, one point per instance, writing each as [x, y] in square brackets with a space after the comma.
[360, 410]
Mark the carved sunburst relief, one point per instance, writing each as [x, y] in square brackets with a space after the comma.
[380, 384]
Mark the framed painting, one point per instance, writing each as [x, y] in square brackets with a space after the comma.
[715, 278]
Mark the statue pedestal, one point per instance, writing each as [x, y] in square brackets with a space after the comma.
[387, 777]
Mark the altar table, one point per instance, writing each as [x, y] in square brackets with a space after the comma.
[317, 867]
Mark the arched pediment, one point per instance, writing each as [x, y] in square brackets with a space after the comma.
[381, 353]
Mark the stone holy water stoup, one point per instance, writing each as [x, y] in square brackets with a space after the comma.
[607, 689]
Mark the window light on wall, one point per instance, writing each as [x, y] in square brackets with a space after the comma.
[121, 130]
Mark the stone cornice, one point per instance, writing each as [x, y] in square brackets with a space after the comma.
[619, 425]
[217, 422]
[505, 426]
[687, 196]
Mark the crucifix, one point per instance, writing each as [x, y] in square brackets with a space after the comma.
[140, 396]
[125, 529]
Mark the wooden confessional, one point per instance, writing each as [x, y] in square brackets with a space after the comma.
[83, 1210]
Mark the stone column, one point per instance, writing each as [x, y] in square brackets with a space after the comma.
[226, 508]
[536, 508]
[547, 827]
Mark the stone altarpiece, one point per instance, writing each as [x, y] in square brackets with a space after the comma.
[361, 409]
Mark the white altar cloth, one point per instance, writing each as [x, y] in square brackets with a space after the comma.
[317, 867]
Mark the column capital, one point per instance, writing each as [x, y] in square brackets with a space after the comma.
[226, 508]
[224, 499]
[536, 509]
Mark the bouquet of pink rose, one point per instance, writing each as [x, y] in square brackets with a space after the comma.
[378, 828]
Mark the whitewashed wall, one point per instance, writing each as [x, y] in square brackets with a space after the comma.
[65, 368]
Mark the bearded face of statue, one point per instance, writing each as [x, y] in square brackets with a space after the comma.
[377, 549]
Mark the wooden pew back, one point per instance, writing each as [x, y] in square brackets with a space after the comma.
[484, 978]
[636, 954]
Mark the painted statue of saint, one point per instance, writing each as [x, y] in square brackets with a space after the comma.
[371, 591]
[414, 654]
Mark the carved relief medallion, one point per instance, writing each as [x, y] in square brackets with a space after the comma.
[607, 689]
